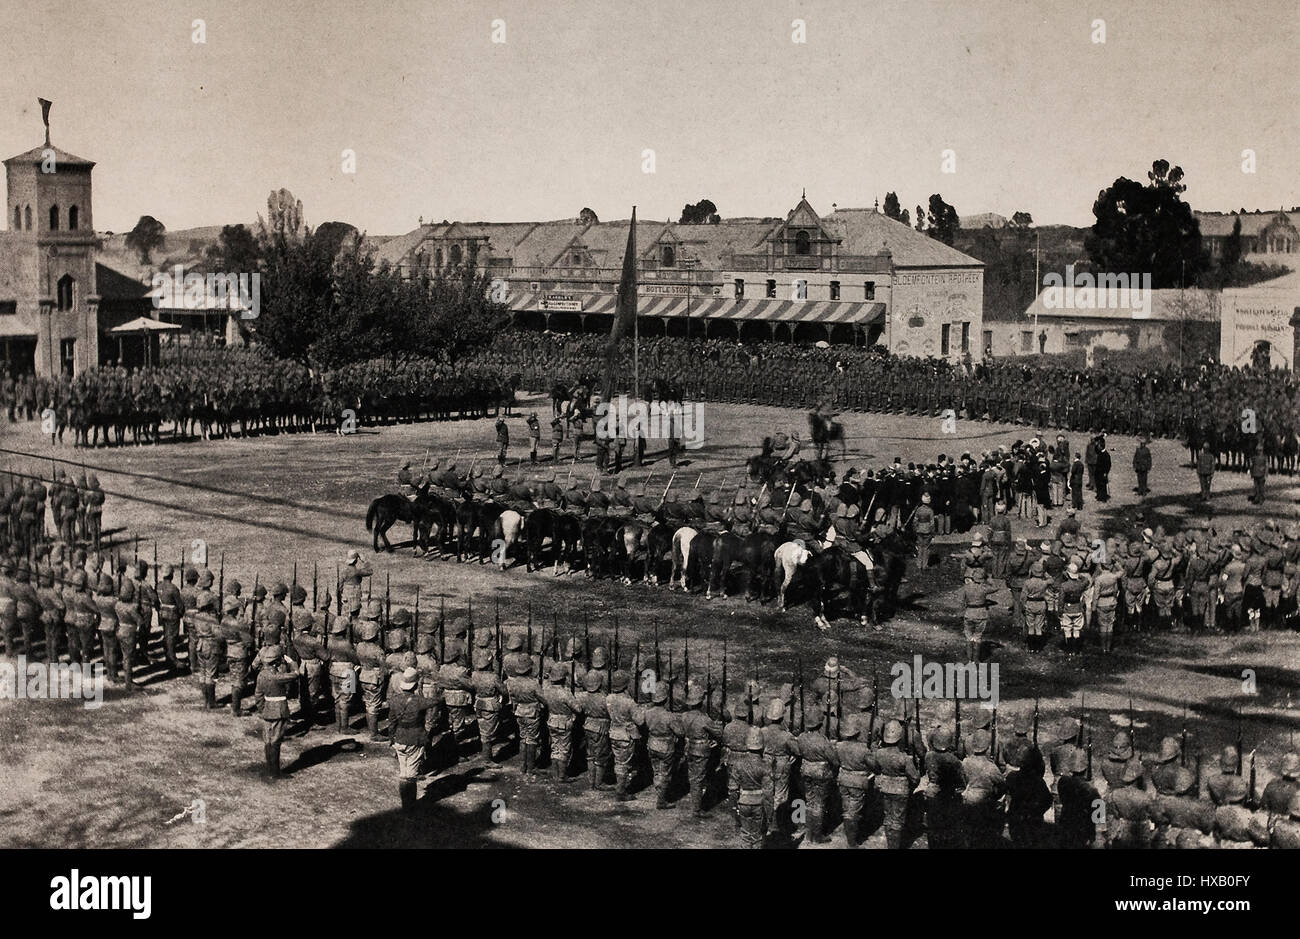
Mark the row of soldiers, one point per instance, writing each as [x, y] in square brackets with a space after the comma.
[76, 508]
[1113, 397]
[1193, 580]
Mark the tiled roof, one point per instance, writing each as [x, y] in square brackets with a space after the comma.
[866, 231]
[36, 155]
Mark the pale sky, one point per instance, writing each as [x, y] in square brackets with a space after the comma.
[447, 124]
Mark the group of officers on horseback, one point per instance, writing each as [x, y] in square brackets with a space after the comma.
[774, 530]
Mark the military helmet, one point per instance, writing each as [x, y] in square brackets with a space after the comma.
[660, 693]
[276, 617]
[980, 742]
[425, 643]
[367, 630]
[1023, 723]
[205, 579]
[126, 592]
[371, 611]
[1121, 747]
[593, 680]
[775, 710]
[812, 718]
[259, 592]
[482, 658]
[521, 666]
[230, 605]
[559, 674]
[338, 626]
[1228, 760]
[299, 594]
[694, 695]
[850, 727]
[1234, 792]
[941, 740]
[619, 681]
[279, 591]
[1169, 750]
[1067, 729]
[394, 639]
[1184, 781]
[599, 658]
[1132, 771]
[401, 617]
[514, 642]
[893, 732]
[234, 586]
[485, 638]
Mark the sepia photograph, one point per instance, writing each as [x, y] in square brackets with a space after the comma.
[792, 425]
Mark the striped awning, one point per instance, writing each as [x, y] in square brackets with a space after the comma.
[765, 310]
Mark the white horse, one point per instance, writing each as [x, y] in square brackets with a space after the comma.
[508, 527]
[682, 539]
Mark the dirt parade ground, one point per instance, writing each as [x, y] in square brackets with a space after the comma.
[120, 775]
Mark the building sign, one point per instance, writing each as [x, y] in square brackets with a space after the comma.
[1258, 320]
[678, 290]
[561, 302]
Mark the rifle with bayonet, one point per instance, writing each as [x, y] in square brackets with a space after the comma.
[724, 675]
[1035, 723]
[1083, 720]
[586, 637]
[1183, 745]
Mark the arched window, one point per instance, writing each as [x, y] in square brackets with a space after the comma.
[18, 218]
[455, 255]
[54, 218]
[437, 259]
[802, 243]
[66, 291]
[28, 215]
[668, 257]
[72, 219]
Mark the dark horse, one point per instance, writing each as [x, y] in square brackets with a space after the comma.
[824, 432]
[387, 510]
[475, 517]
[564, 530]
[566, 401]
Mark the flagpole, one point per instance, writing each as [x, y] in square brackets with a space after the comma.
[636, 339]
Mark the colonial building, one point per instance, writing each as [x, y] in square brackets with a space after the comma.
[1262, 233]
[48, 296]
[852, 276]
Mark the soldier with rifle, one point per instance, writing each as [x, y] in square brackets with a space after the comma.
[780, 749]
[272, 687]
[664, 734]
[626, 719]
[818, 762]
[703, 735]
[562, 714]
[897, 777]
[343, 672]
[857, 770]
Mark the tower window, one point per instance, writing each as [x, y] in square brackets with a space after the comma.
[455, 255]
[54, 218]
[668, 256]
[740, 289]
[72, 219]
[802, 243]
[437, 259]
[835, 290]
[27, 213]
[65, 293]
[18, 219]
[771, 288]
[869, 289]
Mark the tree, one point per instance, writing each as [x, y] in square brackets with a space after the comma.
[905, 218]
[297, 295]
[1022, 220]
[337, 234]
[148, 235]
[699, 213]
[236, 252]
[1147, 229]
[920, 219]
[588, 217]
[892, 209]
[283, 214]
[944, 222]
[1232, 247]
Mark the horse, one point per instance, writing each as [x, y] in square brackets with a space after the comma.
[682, 539]
[723, 550]
[825, 431]
[563, 530]
[659, 542]
[386, 511]
[597, 545]
[633, 535]
[509, 525]
[475, 518]
[757, 557]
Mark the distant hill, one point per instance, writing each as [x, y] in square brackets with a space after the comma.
[184, 246]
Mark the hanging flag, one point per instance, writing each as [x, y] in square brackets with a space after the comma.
[45, 116]
[624, 309]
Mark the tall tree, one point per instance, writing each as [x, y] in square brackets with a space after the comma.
[588, 217]
[1022, 220]
[943, 220]
[1148, 229]
[920, 219]
[702, 212]
[148, 235]
[284, 214]
[892, 208]
[905, 218]
[236, 251]
[1232, 247]
[297, 295]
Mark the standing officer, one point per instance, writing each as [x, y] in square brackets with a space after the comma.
[626, 718]
[406, 734]
[557, 438]
[562, 712]
[503, 440]
[273, 692]
[526, 698]
[1142, 466]
[664, 730]
[751, 772]
[534, 437]
[923, 528]
[819, 760]
[702, 735]
[897, 777]
[1205, 473]
[207, 643]
[489, 699]
[593, 701]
